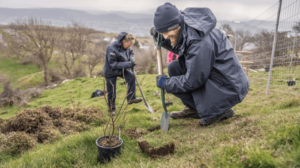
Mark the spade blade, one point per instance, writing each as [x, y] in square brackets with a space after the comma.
[164, 122]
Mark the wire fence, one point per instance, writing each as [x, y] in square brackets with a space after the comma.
[285, 74]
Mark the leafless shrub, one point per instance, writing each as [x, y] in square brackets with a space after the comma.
[55, 75]
[33, 92]
[10, 96]
[146, 60]
[72, 47]
[95, 55]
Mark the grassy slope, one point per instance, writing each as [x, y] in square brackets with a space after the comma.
[263, 133]
[22, 76]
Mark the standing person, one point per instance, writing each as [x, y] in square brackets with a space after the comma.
[119, 60]
[207, 76]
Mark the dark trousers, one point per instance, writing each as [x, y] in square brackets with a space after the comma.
[175, 69]
[111, 88]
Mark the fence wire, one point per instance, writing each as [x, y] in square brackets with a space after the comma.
[286, 63]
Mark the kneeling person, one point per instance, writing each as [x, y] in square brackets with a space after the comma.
[207, 76]
[119, 60]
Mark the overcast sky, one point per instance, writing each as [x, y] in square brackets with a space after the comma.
[223, 9]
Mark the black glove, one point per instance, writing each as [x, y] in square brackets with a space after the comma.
[132, 62]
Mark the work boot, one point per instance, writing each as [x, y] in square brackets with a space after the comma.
[229, 113]
[112, 112]
[186, 113]
[134, 101]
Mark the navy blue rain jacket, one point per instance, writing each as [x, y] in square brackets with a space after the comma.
[117, 58]
[213, 73]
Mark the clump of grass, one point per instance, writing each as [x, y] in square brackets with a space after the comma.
[17, 142]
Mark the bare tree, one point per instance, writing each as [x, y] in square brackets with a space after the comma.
[297, 27]
[73, 46]
[37, 38]
[263, 41]
[95, 55]
[242, 37]
[227, 28]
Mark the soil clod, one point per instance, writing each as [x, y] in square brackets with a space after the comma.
[134, 133]
[154, 128]
[156, 152]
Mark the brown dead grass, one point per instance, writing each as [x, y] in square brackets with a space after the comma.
[43, 125]
[17, 142]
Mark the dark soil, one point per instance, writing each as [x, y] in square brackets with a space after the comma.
[109, 142]
[134, 133]
[156, 152]
[153, 128]
[4, 112]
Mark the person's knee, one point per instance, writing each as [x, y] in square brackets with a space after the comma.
[173, 68]
[129, 77]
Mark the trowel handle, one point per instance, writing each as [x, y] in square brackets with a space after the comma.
[159, 62]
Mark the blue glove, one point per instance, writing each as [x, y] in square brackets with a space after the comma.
[160, 81]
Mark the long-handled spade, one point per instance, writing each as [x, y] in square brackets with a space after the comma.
[165, 117]
[142, 93]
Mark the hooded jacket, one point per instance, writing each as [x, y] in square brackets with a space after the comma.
[117, 58]
[213, 74]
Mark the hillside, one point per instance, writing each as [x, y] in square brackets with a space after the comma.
[264, 132]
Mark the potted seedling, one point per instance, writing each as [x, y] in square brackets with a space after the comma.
[109, 145]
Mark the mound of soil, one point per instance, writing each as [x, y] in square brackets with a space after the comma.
[156, 152]
[48, 135]
[70, 127]
[42, 125]
[30, 121]
[17, 142]
[53, 112]
[2, 122]
[134, 133]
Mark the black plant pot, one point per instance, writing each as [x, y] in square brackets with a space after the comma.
[267, 69]
[291, 83]
[106, 153]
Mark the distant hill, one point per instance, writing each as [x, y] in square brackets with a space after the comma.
[112, 21]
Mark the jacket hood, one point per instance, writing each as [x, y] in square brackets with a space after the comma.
[201, 19]
[118, 43]
[121, 36]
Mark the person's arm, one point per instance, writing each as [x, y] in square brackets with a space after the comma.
[131, 55]
[199, 62]
[113, 61]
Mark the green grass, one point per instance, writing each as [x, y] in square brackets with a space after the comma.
[264, 132]
[13, 69]
[22, 76]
